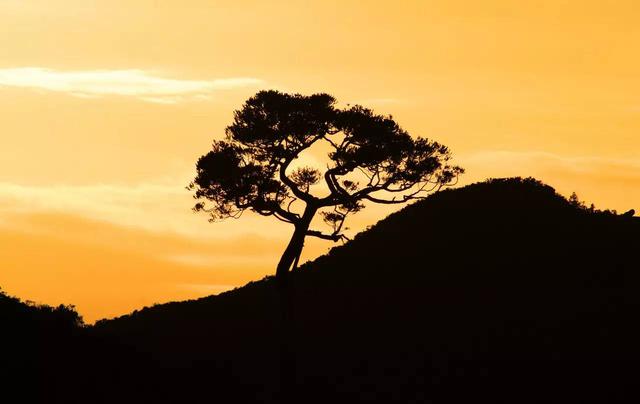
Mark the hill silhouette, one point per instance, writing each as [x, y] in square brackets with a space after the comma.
[501, 291]
[47, 355]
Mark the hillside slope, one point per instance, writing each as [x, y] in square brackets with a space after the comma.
[501, 291]
[31, 337]
[48, 356]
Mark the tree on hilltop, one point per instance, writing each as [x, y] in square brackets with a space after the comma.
[371, 158]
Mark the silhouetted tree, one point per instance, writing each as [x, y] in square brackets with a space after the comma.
[370, 158]
[575, 201]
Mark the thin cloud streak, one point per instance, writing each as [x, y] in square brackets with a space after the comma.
[140, 84]
[628, 168]
[162, 206]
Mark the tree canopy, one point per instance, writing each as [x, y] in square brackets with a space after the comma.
[369, 158]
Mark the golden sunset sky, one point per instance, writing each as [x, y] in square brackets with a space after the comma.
[105, 105]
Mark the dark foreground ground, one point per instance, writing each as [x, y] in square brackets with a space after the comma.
[497, 292]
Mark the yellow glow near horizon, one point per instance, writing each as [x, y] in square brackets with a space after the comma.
[106, 105]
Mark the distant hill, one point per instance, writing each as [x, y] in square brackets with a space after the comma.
[31, 338]
[47, 355]
[501, 291]
[498, 291]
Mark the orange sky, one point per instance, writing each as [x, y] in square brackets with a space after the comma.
[106, 105]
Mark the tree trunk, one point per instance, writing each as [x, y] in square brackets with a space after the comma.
[285, 292]
[294, 248]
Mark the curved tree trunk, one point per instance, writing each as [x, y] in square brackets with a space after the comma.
[285, 291]
[294, 248]
[292, 252]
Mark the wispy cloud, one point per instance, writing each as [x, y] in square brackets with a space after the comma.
[141, 84]
[160, 206]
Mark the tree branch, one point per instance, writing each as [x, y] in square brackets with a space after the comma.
[273, 208]
[338, 193]
[330, 183]
[437, 186]
[386, 201]
[282, 219]
[292, 217]
[292, 185]
[324, 236]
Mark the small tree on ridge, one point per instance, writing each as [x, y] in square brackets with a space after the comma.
[371, 158]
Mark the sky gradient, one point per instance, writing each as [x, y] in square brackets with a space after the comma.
[106, 106]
